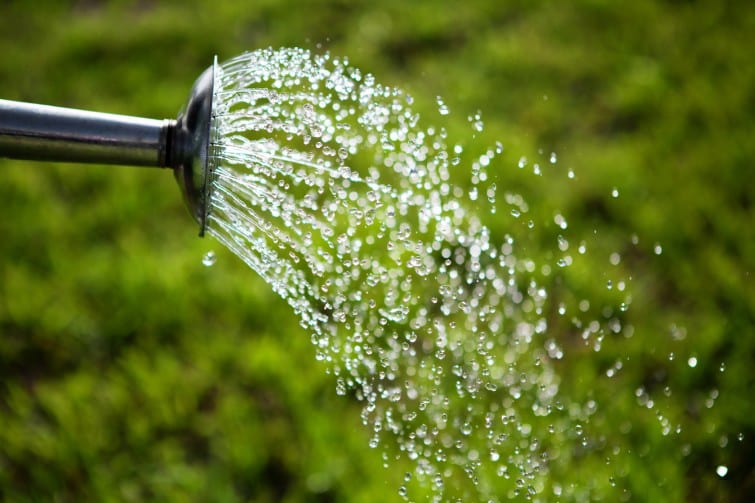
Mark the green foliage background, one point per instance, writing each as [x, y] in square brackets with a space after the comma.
[130, 372]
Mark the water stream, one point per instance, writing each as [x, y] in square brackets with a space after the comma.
[369, 223]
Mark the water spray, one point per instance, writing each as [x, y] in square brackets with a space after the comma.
[327, 185]
[46, 133]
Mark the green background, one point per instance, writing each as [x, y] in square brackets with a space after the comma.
[131, 372]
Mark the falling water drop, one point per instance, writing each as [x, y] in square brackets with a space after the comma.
[442, 107]
[209, 259]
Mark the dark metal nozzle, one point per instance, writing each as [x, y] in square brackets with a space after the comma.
[45, 133]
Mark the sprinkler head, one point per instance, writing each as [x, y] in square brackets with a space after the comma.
[188, 147]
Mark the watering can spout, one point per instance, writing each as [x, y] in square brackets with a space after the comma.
[45, 133]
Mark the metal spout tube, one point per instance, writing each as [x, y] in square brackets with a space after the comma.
[46, 133]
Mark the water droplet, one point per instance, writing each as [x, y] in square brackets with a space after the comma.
[657, 249]
[466, 429]
[442, 107]
[559, 220]
[692, 362]
[722, 470]
[397, 314]
[476, 121]
[209, 259]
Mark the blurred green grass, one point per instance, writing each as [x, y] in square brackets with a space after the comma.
[128, 371]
